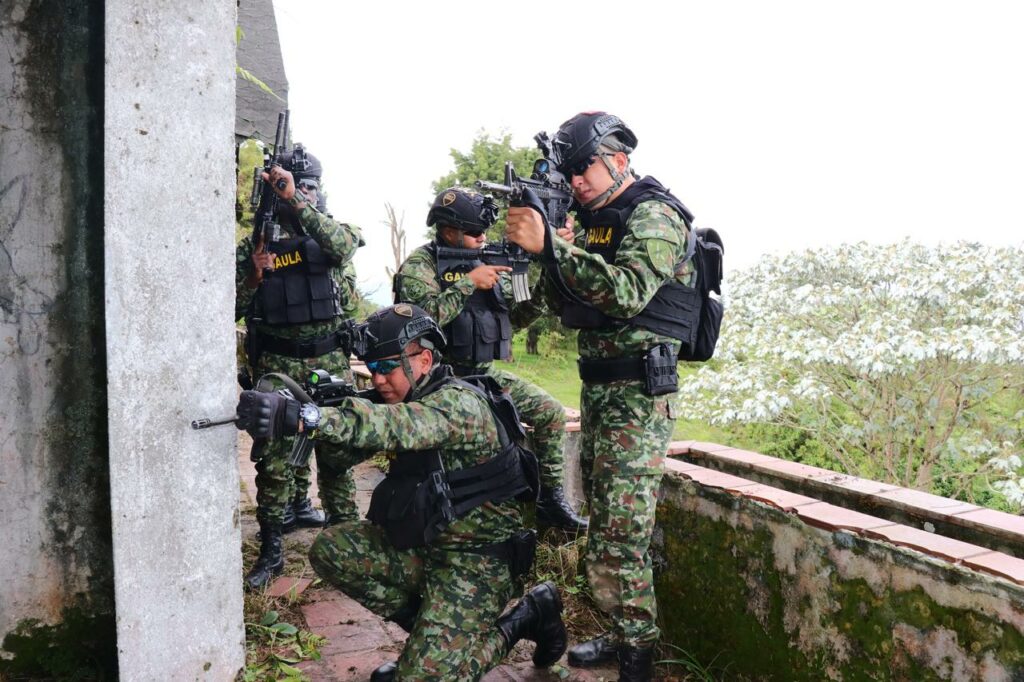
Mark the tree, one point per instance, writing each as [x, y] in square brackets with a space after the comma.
[486, 161]
[398, 249]
[904, 361]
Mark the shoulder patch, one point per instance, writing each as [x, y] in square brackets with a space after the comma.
[657, 220]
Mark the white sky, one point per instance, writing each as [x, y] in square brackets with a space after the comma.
[781, 124]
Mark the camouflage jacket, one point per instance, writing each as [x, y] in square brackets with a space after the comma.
[418, 282]
[339, 242]
[454, 420]
[654, 245]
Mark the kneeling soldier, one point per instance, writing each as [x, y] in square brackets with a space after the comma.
[444, 548]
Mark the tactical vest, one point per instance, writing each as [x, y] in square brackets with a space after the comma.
[301, 288]
[675, 308]
[482, 332]
[419, 498]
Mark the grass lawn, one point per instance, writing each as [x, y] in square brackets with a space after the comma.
[555, 372]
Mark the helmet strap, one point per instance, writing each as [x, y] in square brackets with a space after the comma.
[407, 368]
[619, 179]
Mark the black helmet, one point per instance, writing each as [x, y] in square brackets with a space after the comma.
[301, 163]
[462, 209]
[388, 331]
[578, 138]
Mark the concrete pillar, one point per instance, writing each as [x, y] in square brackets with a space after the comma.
[56, 594]
[169, 295]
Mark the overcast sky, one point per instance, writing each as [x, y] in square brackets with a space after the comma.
[781, 124]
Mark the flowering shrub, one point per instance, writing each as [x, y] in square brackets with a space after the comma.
[905, 361]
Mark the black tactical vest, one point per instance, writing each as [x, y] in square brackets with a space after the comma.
[419, 498]
[675, 308]
[483, 331]
[300, 289]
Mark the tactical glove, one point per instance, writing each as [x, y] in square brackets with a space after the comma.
[267, 415]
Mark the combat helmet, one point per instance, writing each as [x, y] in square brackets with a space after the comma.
[578, 138]
[301, 163]
[388, 331]
[462, 209]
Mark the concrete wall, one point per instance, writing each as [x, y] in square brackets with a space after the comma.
[170, 339]
[764, 584]
[57, 589]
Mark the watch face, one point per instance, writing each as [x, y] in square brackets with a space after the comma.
[310, 416]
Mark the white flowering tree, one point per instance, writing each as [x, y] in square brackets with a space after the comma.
[905, 362]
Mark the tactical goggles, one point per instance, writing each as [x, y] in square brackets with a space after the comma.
[308, 185]
[581, 167]
[383, 367]
[473, 233]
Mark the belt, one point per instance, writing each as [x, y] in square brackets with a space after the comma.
[309, 348]
[605, 370]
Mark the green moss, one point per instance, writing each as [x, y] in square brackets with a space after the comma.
[80, 647]
[705, 602]
[722, 599]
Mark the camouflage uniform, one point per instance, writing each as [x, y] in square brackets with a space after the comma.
[454, 636]
[625, 432]
[276, 481]
[418, 283]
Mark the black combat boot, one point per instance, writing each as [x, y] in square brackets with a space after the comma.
[636, 664]
[384, 673]
[288, 524]
[271, 559]
[538, 618]
[306, 515]
[553, 510]
[594, 652]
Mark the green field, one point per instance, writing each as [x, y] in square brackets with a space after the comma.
[555, 372]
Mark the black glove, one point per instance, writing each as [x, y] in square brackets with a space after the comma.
[267, 415]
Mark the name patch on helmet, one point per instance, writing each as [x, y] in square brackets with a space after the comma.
[448, 199]
[285, 260]
[599, 236]
[403, 309]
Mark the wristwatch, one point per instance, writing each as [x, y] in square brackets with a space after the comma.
[309, 413]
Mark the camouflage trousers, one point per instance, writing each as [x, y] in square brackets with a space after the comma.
[625, 435]
[277, 482]
[454, 637]
[540, 411]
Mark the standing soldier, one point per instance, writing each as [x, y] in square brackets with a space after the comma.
[444, 549]
[290, 292]
[476, 310]
[629, 286]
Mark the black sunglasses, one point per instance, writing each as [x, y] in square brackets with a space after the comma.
[581, 167]
[473, 233]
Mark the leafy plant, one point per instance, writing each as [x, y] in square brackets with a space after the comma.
[273, 647]
[902, 362]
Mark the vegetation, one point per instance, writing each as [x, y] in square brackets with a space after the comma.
[901, 364]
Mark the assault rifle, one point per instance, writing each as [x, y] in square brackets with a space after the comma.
[548, 192]
[546, 183]
[264, 200]
[321, 388]
[504, 253]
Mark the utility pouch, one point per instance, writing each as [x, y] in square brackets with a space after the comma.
[522, 548]
[660, 376]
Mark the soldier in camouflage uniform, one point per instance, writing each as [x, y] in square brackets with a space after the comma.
[475, 306]
[295, 294]
[444, 577]
[626, 288]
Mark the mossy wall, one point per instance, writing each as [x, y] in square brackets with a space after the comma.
[56, 599]
[755, 593]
